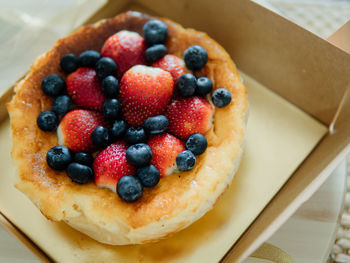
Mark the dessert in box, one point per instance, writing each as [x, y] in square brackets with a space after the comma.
[128, 130]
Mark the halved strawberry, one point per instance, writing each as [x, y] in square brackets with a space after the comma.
[126, 48]
[165, 147]
[172, 64]
[76, 127]
[111, 164]
[144, 92]
[189, 115]
[84, 88]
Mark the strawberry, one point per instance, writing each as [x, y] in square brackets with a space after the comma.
[144, 92]
[111, 164]
[84, 88]
[76, 127]
[126, 48]
[189, 115]
[165, 147]
[172, 64]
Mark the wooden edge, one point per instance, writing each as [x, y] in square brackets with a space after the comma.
[11, 228]
[107, 10]
[4, 99]
[341, 38]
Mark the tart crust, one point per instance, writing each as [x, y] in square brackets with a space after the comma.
[178, 200]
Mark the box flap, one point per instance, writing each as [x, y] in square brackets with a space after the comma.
[309, 177]
[283, 47]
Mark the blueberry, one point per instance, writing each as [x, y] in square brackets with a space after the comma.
[111, 109]
[100, 137]
[196, 143]
[47, 120]
[79, 173]
[155, 53]
[119, 129]
[62, 105]
[185, 160]
[89, 58]
[59, 157]
[53, 85]
[129, 188]
[148, 175]
[195, 57]
[204, 86]
[105, 67]
[139, 154]
[110, 87]
[186, 85]
[221, 97]
[157, 124]
[69, 63]
[135, 135]
[155, 32]
[83, 158]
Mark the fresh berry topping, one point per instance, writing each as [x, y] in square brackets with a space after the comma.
[135, 135]
[196, 143]
[111, 164]
[165, 147]
[148, 175]
[84, 88]
[106, 67]
[144, 92]
[47, 121]
[61, 105]
[58, 157]
[172, 64]
[186, 85]
[139, 154]
[110, 87]
[111, 109]
[204, 86]
[195, 57]
[126, 48]
[129, 188]
[155, 32]
[53, 85]
[89, 58]
[185, 161]
[157, 124]
[79, 173]
[188, 116]
[100, 137]
[155, 53]
[69, 63]
[221, 98]
[76, 127]
[119, 129]
[83, 158]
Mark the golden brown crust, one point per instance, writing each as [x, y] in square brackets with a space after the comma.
[178, 200]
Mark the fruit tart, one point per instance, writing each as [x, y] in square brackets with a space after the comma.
[128, 130]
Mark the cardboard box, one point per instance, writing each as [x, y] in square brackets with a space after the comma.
[303, 69]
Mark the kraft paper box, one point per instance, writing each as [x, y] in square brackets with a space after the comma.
[298, 131]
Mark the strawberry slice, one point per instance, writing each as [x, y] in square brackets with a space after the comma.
[165, 147]
[76, 127]
[84, 88]
[126, 48]
[172, 64]
[144, 92]
[111, 164]
[189, 115]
